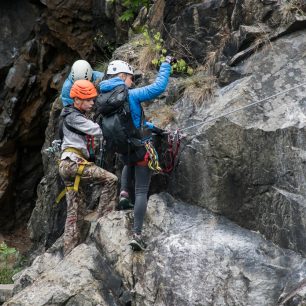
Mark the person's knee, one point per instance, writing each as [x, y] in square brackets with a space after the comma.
[113, 177]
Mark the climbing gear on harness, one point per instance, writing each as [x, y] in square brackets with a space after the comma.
[119, 66]
[83, 89]
[152, 157]
[174, 142]
[100, 159]
[91, 147]
[81, 70]
[81, 167]
[55, 147]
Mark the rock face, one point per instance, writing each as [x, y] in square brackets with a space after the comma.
[77, 280]
[38, 42]
[15, 28]
[194, 258]
[250, 167]
[19, 138]
[200, 28]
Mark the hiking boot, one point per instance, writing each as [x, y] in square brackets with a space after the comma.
[137, 243]
[124, 201]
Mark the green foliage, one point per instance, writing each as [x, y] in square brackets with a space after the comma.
[8, 259]
[182, 67]
[6, 251]
[132, 8]
[6, 275]
[155, 43]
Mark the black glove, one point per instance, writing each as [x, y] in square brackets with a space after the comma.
[170, 59]
[158, 131]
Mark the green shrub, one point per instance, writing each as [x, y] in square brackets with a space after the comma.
[9, 263]
[155, 45]
[132, 8]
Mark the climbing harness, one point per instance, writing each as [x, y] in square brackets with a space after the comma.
[76, 151]
[81, 167]
[152, 159]
[55, 147]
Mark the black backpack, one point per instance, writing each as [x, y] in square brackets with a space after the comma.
[117, 126]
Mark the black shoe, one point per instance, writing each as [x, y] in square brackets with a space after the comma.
[137, 243]
[124, 204]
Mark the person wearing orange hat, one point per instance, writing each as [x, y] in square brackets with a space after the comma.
[74, 167]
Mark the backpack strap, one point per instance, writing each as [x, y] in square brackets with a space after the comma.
[63, 123]
[72, 129]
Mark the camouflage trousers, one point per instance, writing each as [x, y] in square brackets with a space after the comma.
[76, 204]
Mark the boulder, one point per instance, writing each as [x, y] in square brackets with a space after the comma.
[194, 257]
[250, 165]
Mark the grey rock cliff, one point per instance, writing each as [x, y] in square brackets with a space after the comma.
[194, 258]
[250, 167]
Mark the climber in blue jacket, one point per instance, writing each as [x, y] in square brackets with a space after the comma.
[80, 70]
[121, 73]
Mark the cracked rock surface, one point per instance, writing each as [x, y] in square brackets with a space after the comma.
[194, 258]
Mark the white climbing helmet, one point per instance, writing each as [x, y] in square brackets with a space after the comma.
[118, 66]
[81, 70]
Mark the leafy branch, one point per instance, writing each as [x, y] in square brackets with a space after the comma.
[132, 8]
[7, 270]
[155, 43]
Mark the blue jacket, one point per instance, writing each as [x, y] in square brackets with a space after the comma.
[65, 94]
[139, 95]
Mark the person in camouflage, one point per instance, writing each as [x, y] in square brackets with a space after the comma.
[74, 167]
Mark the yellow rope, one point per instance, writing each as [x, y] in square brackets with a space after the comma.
[153, 162]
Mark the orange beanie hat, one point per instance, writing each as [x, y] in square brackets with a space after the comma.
[83, 89]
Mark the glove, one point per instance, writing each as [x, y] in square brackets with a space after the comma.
[170, 59]
[158, 131]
